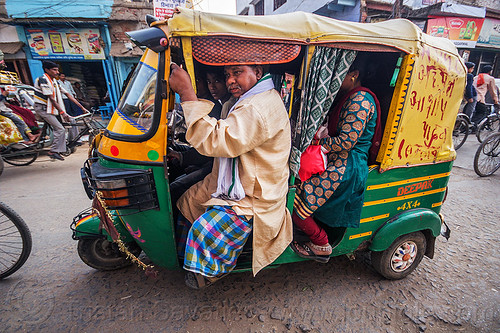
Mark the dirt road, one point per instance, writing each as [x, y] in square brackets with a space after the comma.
[56, 292]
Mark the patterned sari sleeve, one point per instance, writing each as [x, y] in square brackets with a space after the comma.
[356, 112]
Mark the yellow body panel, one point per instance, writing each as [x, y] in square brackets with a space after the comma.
[152, 150]
[427, 104]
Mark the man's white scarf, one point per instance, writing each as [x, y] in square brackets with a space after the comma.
[229, 185]
[56, 95]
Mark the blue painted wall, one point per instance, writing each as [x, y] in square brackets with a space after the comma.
[58, 9]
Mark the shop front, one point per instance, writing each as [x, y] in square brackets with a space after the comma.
[487, 50]
[83, 56]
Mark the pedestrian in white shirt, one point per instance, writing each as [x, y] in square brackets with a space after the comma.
[71, 108]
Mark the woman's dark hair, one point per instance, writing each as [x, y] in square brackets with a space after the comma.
[365, 68]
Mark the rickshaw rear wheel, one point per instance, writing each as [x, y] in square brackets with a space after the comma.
[104, 255]
[401, 258]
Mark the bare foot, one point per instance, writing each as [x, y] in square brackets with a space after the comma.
[33, 137]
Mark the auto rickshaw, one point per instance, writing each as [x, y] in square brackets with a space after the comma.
[419, 82]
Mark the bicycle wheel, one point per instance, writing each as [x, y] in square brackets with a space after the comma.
[487, 158]
[488, 126]
[69, 151]
[20, 157]
[460, 132]
[15, 241]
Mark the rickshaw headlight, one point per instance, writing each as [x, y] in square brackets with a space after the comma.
[124, 188]
[114, 192]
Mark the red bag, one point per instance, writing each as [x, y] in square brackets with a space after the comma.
[312, 161]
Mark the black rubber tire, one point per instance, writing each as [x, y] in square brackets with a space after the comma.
[91, 138]
[382, 261]
[487, 158]
[104, 255]
[1, 165]
[487, 127]
[15, 241]
[460, 132]
[69, 151]
[21, 157]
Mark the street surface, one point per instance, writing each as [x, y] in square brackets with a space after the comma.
[457, 291]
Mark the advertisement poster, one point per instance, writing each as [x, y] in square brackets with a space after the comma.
[490, 34]
[65, 44]
[462, 31]
[164, 9]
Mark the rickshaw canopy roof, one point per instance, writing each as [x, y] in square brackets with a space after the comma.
[305, 28]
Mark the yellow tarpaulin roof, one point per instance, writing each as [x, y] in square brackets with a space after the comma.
[306, 28]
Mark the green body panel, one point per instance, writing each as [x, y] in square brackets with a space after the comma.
[153, 230]
[91, 226]
[409, 197]
[405, 223]
[383, 203]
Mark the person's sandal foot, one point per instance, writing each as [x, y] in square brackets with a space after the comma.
[55, 156]
[198, 281]
[305, 250]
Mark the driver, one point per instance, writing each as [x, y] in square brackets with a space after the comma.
[248, 184]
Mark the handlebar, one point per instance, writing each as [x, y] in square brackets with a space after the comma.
[85, 115]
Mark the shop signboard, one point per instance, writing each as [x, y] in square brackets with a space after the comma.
[164, 9]
[65, 44]
[462, 31]
[490, 34]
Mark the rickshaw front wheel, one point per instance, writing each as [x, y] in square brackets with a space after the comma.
[104, 255]
[401, 258]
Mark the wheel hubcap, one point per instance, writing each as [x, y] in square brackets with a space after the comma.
[403, 256]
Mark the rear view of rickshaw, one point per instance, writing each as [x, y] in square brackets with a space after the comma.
[419, 82]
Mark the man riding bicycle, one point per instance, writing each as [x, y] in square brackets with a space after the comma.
[49, 105]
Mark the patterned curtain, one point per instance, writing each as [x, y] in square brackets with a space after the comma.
[328, 69]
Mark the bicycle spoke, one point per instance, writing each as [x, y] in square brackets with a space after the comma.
[15, 241]
[460, 132]
[487, 159]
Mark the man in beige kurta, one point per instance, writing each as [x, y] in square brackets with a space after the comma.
[257, 131]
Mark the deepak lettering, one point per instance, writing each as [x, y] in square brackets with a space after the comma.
[426, 184]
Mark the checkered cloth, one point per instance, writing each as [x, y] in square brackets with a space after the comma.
[215, 241]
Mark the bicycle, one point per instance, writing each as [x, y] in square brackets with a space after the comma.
[15, 241]
[487, 158]
[91, 127]
[21, 154]
[460, 130]
[489, 125]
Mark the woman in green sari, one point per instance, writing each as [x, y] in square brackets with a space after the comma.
[339, 190]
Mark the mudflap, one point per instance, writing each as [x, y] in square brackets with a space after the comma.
[445, 230]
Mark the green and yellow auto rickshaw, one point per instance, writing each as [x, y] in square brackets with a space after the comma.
[419, 83]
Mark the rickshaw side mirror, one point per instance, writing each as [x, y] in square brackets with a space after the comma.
[150, 19]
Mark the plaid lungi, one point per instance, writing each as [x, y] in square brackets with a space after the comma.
[215, 241]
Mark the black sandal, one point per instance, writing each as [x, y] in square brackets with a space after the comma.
[198, 281]
[310, 254]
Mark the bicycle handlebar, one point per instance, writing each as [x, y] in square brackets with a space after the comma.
[85, 115]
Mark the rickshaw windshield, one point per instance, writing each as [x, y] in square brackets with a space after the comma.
[137, 103]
